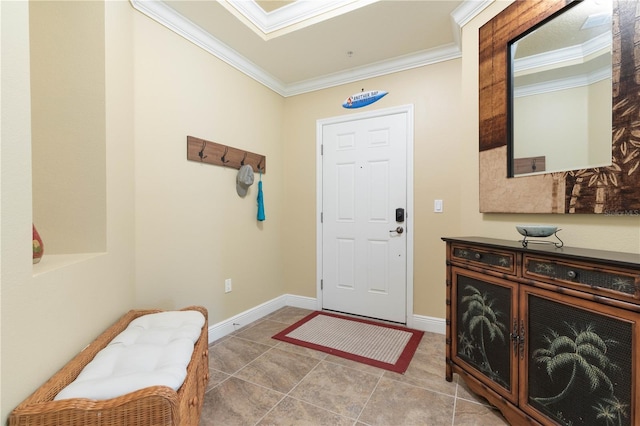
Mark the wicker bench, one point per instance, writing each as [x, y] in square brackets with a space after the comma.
[152, 406]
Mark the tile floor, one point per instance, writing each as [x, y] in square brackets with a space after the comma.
[256, 380]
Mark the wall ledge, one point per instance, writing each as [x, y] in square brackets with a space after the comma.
[51, 262]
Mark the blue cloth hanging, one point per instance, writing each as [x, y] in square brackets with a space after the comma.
[261, 215]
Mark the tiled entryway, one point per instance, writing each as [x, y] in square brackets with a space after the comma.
[256, 380]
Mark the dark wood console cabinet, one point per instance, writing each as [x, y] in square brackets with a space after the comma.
[548, 335]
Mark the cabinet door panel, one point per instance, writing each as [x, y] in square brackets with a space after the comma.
[580, 363]
[485, 310]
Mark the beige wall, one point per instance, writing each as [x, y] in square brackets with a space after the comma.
[192, 229]
[51, 311]
[587, 142]
[543, 131]
[67, 45]
[435, 93]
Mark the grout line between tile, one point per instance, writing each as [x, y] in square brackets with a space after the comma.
[288, 394]
[252, 341]
[221, 382]
[322, 408]
[455, 403]
[368, 399]
[352, 368]
[271, 409]
[421, 387]
[302, 380]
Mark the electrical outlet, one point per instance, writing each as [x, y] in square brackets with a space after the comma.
[227, 285]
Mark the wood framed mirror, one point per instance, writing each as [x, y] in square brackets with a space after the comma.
[611, 190]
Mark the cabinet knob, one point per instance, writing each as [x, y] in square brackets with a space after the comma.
[572, 274]
[478, 256]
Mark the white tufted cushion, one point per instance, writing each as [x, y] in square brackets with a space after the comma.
[153, 350]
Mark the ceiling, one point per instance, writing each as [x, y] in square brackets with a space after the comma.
[295, 47]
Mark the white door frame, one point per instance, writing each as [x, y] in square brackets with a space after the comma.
[408, 109]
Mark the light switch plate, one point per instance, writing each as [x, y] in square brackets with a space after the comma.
[437, 206]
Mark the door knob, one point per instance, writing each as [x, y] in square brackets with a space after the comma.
[399, 230]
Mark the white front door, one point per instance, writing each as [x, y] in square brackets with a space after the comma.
[364, 243]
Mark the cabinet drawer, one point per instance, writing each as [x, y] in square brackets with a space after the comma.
[585, 277]
[501, 261]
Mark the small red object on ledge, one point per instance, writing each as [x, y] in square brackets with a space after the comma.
[38, 247]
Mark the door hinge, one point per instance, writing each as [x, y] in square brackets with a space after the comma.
[321, 284]
[321, 217]
[321, 149]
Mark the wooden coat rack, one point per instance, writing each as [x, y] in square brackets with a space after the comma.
[204, 151]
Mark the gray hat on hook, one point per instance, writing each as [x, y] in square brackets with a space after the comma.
[244, 179]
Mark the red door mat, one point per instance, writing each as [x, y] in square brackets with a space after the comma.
[390, 347]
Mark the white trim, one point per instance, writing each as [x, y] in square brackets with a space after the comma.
[409, 111]
[228, 326]
[429, 324]
[290, 17]
[165, 15]
[563, 57]
[301, 302]
[465, 13]
[318, 215]
[223, 328]
[402, 63]
[563, 84]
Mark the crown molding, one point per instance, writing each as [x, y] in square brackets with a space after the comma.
[563, 84]
[378, 69]
[164, 15]
[290, 17]
[560, 57]
[464, 13]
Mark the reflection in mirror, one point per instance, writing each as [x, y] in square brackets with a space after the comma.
[560, 95]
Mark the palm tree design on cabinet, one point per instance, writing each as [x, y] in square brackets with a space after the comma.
[575, 377]
[482, 325]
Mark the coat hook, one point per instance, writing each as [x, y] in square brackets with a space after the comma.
[243, 158]
[201, 153]
[226, 150]
[260, 164]
[533, 165]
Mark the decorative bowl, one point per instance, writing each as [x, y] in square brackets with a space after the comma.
[536, 230]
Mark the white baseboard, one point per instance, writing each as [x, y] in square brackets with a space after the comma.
[430, 324]
[302, 302]
[228, 326]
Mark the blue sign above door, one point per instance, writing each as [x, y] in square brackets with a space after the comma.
[361, 99]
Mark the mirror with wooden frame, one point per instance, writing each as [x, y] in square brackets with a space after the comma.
[612, 189]
[560, 92]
